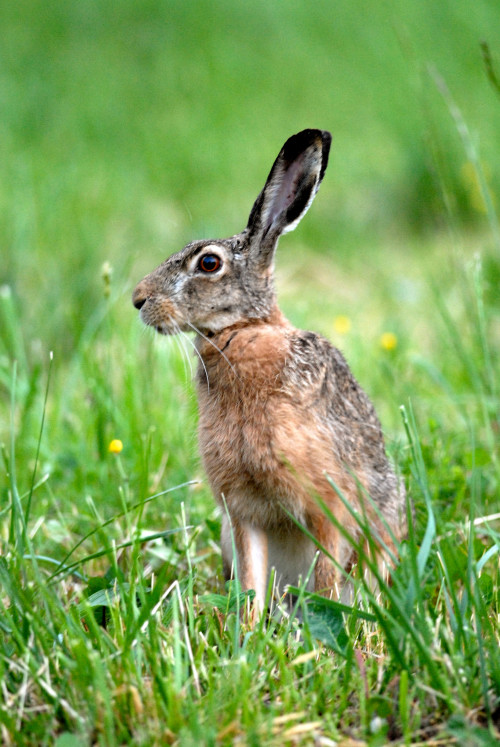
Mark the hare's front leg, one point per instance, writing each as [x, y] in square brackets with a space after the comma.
[251, 566]
[329, 579]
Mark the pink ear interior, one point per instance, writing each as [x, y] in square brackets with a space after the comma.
[286, 190]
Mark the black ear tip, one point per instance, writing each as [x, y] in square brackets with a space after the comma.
[327, 141]
[298, 143]
[326, 138]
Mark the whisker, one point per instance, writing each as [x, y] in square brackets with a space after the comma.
[198, 332]
[185, 355]
[184, 335]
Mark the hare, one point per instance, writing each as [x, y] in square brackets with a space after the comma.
[281, 416]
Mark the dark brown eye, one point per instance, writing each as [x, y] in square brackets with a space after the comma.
[209, 263]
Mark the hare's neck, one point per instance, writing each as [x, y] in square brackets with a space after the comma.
[244, 350]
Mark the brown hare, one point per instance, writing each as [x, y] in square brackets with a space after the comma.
[279, 409]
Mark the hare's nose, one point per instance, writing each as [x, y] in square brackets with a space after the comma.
[139, 297]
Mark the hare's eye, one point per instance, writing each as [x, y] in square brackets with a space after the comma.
[209, 263]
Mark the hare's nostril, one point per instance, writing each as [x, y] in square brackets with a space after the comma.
[139, 299]
[139, 302]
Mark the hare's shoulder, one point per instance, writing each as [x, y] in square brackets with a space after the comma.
[319, 375]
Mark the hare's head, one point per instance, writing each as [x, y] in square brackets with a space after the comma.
[210, 285]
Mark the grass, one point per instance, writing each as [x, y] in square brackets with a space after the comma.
[125, 133]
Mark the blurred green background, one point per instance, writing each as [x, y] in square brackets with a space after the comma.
[128, 128]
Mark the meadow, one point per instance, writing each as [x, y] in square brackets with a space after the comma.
[126, 130]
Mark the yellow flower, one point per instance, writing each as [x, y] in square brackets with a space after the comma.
[388, 341]
[115, 447]
[342, 325]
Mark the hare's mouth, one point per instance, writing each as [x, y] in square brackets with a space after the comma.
[169, 326]
[165, 329]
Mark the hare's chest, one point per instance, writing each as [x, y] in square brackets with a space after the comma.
[240, 398]
[237, 423]
[254, 455]
[236, 426]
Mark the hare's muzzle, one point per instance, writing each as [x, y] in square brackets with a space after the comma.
[157, 310]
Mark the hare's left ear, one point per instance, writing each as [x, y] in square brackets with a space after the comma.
[288, 192]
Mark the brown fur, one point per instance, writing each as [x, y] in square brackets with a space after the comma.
[279, 408]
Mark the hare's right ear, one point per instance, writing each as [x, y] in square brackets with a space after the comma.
[289, 191]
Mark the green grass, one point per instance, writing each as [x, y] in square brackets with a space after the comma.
[126, 130]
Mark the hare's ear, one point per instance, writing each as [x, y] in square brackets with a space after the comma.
[289, 190]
